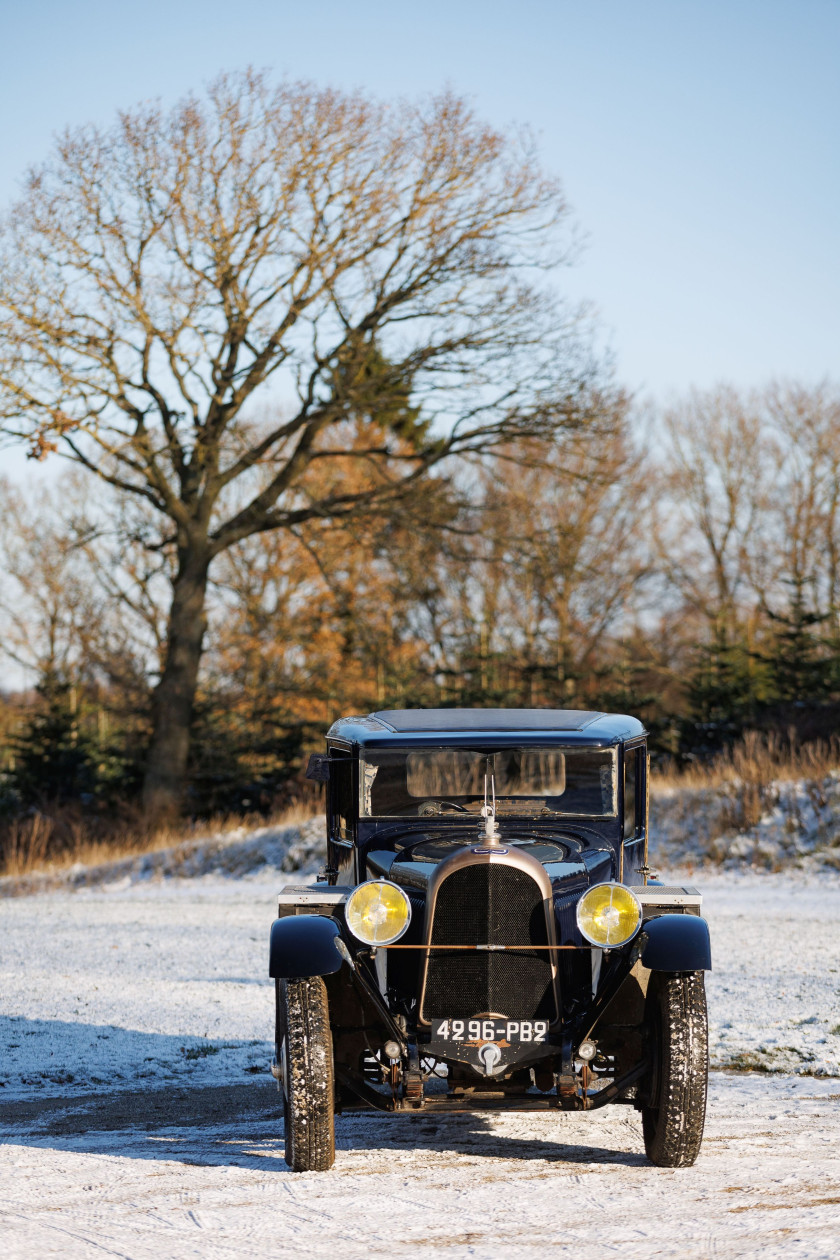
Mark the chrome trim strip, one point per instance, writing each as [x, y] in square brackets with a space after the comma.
[306, 895]
[653, 896]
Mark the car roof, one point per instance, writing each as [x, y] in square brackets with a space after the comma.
[486, 719]
[399, 726]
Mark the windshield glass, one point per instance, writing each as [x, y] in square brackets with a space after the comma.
[529, 781]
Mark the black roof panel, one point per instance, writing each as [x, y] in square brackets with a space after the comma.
[426, 727]
[486, 719]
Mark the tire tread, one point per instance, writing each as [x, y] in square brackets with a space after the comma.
[673, 1126]
[310, 1086]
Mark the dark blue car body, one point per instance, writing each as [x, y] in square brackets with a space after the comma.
[385, 1003]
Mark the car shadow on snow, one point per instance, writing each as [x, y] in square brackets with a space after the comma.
[477, 1134]
[240, 1125]
[109, 1090]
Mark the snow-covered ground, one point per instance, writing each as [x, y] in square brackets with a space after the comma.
[138, 1117]
[208, 1180]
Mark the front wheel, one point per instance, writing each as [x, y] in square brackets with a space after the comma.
[306, 1062]
[673, 1119]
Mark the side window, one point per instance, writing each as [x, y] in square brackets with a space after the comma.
[631, 792]
[342, 795]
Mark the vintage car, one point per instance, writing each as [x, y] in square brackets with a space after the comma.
[487, 933]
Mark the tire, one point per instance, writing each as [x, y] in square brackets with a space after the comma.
[672, 1120]
[305, 1043]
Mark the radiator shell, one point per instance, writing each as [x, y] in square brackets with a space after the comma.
[498, 896]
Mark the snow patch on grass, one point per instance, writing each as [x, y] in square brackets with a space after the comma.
[237, 853]
[796, 826]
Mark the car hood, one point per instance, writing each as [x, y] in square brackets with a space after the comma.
[573, 859]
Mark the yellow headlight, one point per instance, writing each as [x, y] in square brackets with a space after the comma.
[378, 912]
[609, 915]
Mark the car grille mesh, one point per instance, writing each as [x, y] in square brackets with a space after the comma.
[489, 904]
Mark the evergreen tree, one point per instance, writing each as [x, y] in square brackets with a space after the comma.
[801, 669]
[53, 760]
[721, 694]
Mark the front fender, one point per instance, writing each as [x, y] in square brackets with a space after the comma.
[303, 945]
[677, 942]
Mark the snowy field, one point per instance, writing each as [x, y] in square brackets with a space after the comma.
[139, 1119]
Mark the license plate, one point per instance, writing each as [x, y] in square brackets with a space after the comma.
[513, 1031]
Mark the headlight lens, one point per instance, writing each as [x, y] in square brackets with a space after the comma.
[609, 915]
[378, 912]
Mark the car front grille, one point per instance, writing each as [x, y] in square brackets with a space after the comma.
[489, 904]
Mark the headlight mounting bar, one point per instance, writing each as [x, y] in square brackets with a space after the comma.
[493, 948]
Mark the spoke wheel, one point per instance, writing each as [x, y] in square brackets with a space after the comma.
[306, 1062]
[673, 1119]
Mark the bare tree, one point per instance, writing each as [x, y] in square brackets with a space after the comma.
[715, 483]
[556, 560]
[581, 547]
[193, 303]
[803, 539]
[80, 599]
[49, 611]
[749, 537]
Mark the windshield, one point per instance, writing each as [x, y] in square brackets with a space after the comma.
[528, 781]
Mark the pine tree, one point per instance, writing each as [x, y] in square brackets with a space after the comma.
[53, 760]
[800, 667]
[721, 694]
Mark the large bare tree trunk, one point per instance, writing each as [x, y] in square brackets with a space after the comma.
[174, 696]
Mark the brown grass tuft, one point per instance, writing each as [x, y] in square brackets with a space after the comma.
[758, 759]
[45, 842]
[750, 772]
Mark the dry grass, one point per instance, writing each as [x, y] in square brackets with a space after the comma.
[45, 843]
[749, 772]
[757, 758]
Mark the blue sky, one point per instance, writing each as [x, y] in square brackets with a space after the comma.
[699, 143]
